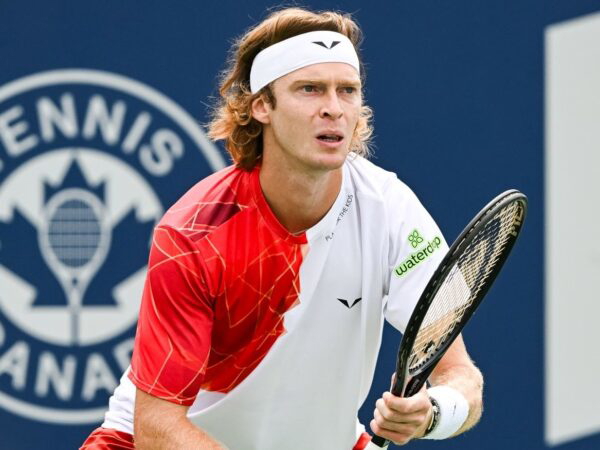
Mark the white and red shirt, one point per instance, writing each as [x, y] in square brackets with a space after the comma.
[272, 338]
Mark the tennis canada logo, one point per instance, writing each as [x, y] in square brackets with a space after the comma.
[415, 239]
[88, 162]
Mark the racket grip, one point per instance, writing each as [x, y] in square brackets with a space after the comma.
[416, 383]
[377, 442]
[414, 386]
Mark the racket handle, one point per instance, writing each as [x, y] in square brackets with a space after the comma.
[414, 385]
[377, 443]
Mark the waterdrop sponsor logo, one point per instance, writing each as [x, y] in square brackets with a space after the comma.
[427, 248]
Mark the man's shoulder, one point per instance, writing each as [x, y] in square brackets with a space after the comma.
[210, 202]
[372, 180]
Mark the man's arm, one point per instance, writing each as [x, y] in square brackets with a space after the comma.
[159, 424]
[457, 371]
[402, 419]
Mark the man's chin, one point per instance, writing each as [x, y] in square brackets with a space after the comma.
[331, 161]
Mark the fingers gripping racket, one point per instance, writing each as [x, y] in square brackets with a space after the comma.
[455, 290]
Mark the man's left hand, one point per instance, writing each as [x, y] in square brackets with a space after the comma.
[400, 419]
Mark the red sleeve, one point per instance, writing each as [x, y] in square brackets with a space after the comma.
[108, 439]
[172, 342]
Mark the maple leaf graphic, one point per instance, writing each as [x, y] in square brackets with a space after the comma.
[128, 253]
[20, 253]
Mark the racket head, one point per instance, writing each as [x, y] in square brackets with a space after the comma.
[492, 231]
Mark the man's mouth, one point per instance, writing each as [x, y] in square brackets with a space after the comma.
[329, 137]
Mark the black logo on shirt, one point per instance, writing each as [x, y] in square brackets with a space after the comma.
[347, 304]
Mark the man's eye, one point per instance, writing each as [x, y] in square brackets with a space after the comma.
[349, 90]
[309, 88]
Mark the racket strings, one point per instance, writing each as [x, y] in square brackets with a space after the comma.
[74, 233]
[461, 287]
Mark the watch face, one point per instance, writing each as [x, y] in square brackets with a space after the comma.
[435, 416]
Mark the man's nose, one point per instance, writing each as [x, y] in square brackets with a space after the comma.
[331, 106]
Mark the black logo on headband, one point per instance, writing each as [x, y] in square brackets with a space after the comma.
[322, 44]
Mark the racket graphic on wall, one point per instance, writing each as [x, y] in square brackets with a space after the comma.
[74, 241]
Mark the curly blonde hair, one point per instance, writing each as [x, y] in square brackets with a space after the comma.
[232, 119]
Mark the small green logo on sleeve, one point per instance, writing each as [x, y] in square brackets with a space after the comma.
[415, 238]
[415, 258]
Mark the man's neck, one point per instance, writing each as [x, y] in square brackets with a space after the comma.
[299, 199]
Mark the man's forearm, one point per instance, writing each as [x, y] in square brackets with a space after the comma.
[159, 424]
[466, 379]
[173, 434]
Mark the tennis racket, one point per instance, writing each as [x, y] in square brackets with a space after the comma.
[454, 292]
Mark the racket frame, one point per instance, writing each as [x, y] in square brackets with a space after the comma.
[420, 376]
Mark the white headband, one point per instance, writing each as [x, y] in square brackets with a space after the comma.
[300, 51]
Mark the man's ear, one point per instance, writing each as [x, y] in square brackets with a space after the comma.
[260, 110]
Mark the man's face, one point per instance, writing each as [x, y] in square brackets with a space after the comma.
[317, 109]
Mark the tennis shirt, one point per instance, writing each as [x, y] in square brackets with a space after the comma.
[271, 338]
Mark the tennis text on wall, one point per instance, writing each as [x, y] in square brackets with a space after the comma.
[88, 161]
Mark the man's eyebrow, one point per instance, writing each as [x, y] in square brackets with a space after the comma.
[304, 81]
[318, 82]
[351, 83]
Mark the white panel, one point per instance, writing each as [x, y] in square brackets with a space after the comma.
[572, 229]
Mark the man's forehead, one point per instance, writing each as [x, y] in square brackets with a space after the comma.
[325, 72]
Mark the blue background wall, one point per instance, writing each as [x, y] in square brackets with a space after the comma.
[457, 89]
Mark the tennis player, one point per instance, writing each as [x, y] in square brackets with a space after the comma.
[269, 282]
